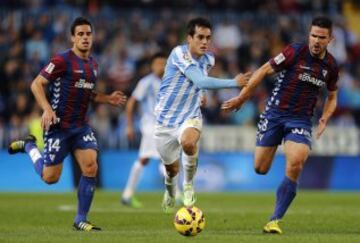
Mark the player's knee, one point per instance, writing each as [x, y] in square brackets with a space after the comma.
[90, 170]
[51, 178]
[261, 171]
[296, 167]
[189, 147]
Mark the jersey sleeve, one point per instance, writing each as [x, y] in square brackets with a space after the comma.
[334, 77]
[140, 90]
[181, 58]
[54, 69]
[284, 59]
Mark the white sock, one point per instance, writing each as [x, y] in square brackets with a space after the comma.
[162, 171]
[190, 166]
[134, 177]
[170, 184]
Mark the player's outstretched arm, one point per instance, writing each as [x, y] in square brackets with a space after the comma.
[204, 82]
[116, 98]
[236, 102]
[130, 106]
[38, 89]
[329, 108]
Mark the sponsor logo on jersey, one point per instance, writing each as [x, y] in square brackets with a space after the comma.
[279, 58]
[50, 68]
[82, 84]
[78, 71]
[305, 67]
[308, 78]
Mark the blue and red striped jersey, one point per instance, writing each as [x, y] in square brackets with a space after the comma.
[72, 81]
[300, 78]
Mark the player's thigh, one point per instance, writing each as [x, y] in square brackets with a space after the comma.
[189, 139]
[189, 135]
[84, 147]
[87, 160]
[167, 144]
[263, 158]
[296, 154]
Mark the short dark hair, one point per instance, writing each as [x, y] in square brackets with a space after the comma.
[79, 21]
[200, 22]
[158, 55]
[323, 22]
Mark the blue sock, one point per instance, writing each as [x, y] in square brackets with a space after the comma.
[36, 157]
[285, 194]
[86, 191]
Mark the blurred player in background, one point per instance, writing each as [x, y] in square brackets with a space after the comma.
[303, 69]
[71, 77]
[145, 93]
[178, 115]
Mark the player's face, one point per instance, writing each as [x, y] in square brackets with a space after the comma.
[83, 38]
[319, 38]
[158, 66]
[200, 41]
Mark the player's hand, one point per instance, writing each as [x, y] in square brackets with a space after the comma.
[48, 118]
[203, 101]
[321, 127]
[117, 98]
[130, 133]
[233, 104]
[242, 79]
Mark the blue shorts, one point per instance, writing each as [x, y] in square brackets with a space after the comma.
[274, 128]
[59, 142]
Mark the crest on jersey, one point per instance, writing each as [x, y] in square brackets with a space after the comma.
[50, 68]
[324, 72]
[187, 57]
[279, 58]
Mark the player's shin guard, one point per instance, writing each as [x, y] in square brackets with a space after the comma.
[190, 166]
[285, 194]
[36, 157]
[86, 191]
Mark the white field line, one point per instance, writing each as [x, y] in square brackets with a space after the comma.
[240, 211]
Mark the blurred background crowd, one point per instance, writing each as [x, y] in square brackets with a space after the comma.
[127, 32]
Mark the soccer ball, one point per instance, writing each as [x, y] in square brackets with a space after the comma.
[189, 221]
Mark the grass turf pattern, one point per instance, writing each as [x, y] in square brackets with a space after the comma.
[315, 216]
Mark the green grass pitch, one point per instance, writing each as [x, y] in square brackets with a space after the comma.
[230, 217]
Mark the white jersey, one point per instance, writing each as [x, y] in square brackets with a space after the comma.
[146, 92]
[178, 98]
